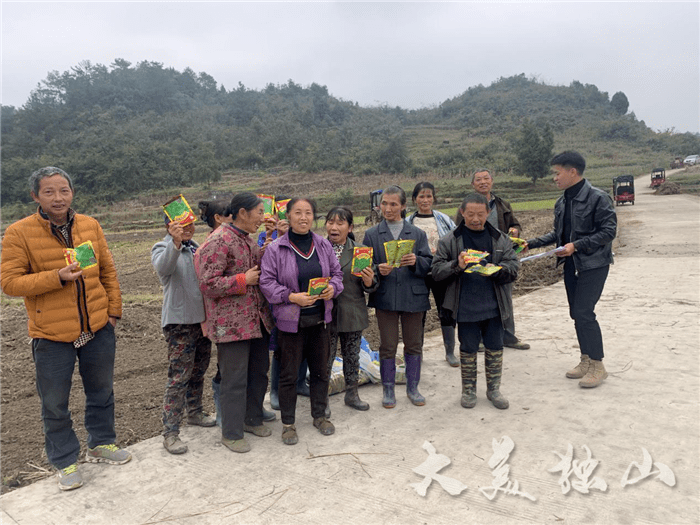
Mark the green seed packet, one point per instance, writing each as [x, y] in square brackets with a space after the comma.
[84, 254]
[177, 209]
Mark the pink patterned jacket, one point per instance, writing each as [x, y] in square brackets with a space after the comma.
[234, 310]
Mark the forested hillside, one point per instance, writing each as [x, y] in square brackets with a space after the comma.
[122, 129]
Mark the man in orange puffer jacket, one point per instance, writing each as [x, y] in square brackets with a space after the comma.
[73, 309]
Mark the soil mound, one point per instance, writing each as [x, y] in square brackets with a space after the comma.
[669, 188]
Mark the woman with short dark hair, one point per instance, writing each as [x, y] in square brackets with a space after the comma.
[238, 319]
[288, 266]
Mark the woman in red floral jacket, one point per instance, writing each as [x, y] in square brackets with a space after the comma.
[238, 319]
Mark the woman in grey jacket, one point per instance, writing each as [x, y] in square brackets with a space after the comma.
[350, 309]
[188, 350]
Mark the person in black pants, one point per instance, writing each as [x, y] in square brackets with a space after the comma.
[585, 225]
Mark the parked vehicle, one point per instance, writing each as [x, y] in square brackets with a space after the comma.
[375, 213]
[691, 160]
[658, 177]
[677, 163]
[623, 189]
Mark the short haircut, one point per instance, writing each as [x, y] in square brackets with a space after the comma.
[245, 200]
[49, 171]
[570, 159]
[422, 186]
[479, 171]
[208, 209]
[472, 198]
[294, 200]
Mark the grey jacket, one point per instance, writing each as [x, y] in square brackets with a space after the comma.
[182, 300]
[446, 266]
[350, 312]
[404, 289]
[593, 228]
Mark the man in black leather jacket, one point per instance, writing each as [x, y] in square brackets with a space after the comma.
[585, 225]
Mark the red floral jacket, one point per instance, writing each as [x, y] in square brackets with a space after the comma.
[234, 310]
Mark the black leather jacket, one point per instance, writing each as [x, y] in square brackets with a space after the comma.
[593, 228]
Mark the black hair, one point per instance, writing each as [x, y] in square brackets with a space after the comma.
[423, 186]
[397, 190]
[245, 200]
[472, 198]
[208, 209]
[569, 159]
[343, 213]
[294, 200]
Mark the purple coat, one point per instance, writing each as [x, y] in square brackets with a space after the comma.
[280, 277]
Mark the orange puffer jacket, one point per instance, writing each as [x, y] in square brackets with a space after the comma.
[32, 255]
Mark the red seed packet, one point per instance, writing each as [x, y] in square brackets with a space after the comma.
[318, 284]
[268, 204]
[474, 256]
[177, 209]
[361, 259]
[84, 254]
[282, 209]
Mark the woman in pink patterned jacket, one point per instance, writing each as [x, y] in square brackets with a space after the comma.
[238, 319]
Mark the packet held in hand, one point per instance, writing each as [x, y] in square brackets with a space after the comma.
[361, 259]
[396, 249]
[518, 244]
[268, 204]
[281, 207]
[83, 254]
[474, 256]
[318, 284]
[177, 209]
[482, 270]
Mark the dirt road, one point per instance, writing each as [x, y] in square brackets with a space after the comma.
[649, 315]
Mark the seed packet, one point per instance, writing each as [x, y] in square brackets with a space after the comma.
[318, 284]
[474, 256]
[396, 249]
[177, 209]
[84, 254]
[282, 209]
[518, 244]
[483, 270]
[361, 259]
[268, 204]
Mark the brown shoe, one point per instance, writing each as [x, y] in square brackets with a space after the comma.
[236, 445]
[289, 435]
[260, 430]
[201, 419]
[581, 369]
[595, 375]
[173, 444]
[324, 426]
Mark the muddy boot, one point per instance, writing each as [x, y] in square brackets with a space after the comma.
[468, 365]
[352, 398]
[494, 367]
[580, 369]
[595, 375]
[413, 363]
[448, 337]
[387, 368]
[216, 389]
[275, 384]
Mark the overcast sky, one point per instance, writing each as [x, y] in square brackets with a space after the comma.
[407, 54]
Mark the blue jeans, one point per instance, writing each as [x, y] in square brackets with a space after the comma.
[54, 363]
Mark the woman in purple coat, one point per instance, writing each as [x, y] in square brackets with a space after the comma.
[302, 319]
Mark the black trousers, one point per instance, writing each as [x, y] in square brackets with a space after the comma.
[312, 343]
[583, 291]
[243, 366]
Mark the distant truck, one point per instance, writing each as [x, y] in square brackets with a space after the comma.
[623, 189]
